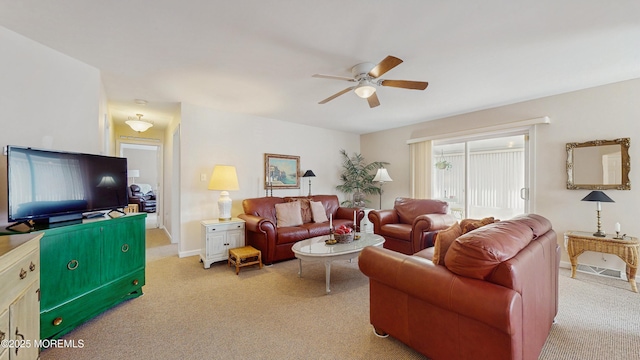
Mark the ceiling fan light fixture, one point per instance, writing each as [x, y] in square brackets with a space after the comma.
[364, 90]
[138, 124]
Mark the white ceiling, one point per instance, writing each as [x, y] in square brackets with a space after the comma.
[257, 56]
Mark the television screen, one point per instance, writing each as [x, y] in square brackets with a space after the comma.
[54, 185]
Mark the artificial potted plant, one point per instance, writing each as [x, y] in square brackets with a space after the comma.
[357, 179]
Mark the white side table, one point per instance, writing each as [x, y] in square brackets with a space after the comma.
[217, 237]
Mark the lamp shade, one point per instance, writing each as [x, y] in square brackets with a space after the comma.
[224, 178]
[309, 173]
[597, 196]
[133, 173]
[382, 176]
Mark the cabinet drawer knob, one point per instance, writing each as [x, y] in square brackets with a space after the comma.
[135, 282]
[57, 321]
[2, 336]
[32, 266]
[125, 248]
[23, 274]
[72, 265]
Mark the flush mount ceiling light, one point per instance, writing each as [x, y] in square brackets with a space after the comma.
[138, 124]
[364, 89]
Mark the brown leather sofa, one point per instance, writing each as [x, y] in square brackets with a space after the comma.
[275, 242]
[495, 297]
[409, 226]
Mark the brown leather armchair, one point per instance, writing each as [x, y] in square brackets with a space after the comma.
[146, 202]
[410, 225]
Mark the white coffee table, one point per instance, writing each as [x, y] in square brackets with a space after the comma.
[315, 249]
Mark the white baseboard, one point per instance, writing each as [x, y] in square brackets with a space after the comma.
[189, 253]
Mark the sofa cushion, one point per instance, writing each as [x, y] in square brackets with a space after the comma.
[291, 234]
[477, 253]
[288, 214]
[319, 229]
[443, 241]
[318, 212]
[305, 208]
[398, 231]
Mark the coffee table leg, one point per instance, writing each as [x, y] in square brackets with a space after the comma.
[299, 267]
[327, 266]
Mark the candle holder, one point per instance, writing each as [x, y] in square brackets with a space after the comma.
[620, 237]
[331, 240]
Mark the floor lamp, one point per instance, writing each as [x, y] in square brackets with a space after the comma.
[382, 176]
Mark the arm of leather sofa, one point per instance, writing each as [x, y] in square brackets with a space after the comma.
[347, 213]
[258, 225]
[426, 223]
[382, 217]
[418, 277]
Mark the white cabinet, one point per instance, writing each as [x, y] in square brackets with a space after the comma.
[217, 237]
[20, 296]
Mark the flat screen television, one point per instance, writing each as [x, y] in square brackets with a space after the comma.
[52, 186]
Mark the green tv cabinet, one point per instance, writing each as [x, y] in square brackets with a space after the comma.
[87, 268]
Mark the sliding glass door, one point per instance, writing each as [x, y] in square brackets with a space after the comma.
[482, 177]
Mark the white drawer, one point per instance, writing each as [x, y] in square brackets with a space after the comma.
[224, 227]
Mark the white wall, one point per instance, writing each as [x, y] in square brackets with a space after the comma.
[604, 112]
[210, 137]
[47, 100]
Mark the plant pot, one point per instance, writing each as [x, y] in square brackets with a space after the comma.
[359, 199]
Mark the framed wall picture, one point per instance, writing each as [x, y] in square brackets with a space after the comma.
[281, 171]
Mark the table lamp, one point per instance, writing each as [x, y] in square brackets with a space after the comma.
[598, 197]
[382, 176]
[309, 174]
[224, 178]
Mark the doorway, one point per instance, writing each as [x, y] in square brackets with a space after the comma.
[144, 163]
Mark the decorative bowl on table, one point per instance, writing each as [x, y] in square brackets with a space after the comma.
[343, 238]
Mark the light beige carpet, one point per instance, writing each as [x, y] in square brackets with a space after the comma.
[192, 313]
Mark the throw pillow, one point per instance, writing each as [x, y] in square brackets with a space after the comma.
[443, 240]
[472, 224]
[318, 212]
[288, 214]
[305, 209]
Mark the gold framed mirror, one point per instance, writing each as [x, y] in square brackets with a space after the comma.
[599, 165]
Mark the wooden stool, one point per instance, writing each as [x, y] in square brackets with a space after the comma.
[244, 256]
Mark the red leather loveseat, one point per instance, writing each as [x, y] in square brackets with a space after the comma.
[408, 227]
[263, 233]
[495, 296]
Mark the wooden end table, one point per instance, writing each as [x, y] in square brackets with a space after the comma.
[577, 242]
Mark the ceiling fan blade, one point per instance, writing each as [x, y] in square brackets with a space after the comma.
[405, 84]
[333, 77]
[336, 95]
[373, 100]
[385, 65]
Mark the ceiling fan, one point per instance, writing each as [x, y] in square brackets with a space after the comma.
[366, 75]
